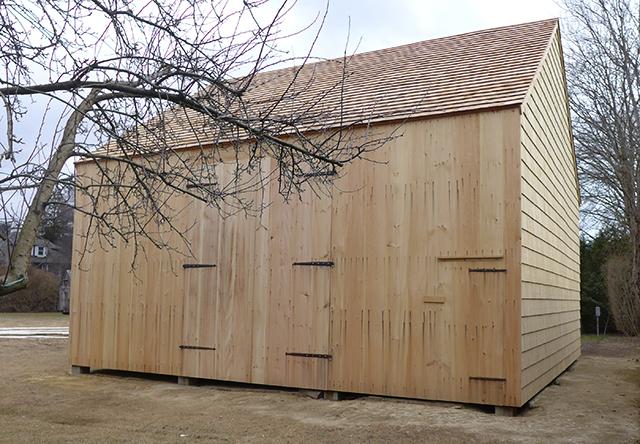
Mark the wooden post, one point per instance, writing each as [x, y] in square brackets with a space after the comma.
[79, 370]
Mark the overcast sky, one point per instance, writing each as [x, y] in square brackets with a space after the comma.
[378, 24]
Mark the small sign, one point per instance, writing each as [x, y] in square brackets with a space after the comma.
[597, 311]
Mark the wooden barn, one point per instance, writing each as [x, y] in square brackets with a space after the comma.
[447, 271]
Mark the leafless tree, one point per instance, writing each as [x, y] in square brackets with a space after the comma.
[604, 81]
[625, 310]
[140, 80]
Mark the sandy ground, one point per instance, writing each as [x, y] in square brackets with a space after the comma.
[598, 401]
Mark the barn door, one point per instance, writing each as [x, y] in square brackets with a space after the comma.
[484, 319]
[474, 295]
[308, 355]
[198, 345]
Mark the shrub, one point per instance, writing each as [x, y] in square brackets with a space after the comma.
[594, 253]
[40, 295]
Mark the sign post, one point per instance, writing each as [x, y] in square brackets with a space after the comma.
[597, 320]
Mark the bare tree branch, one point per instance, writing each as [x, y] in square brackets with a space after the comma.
[165, 98]
[604, 82]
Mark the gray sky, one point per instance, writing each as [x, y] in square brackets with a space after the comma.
[378, 24]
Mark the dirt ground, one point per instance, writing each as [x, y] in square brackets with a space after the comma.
[598, 401]
[33, 320]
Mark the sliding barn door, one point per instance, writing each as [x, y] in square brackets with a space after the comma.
[308, 355]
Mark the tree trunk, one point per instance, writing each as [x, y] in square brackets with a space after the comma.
[17, 275]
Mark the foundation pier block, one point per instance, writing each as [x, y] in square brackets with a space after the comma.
[185, 380]
[506, 411]
[333, 396]
[80, 370]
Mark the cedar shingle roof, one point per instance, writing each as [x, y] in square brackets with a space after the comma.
[488, 68]
[473, 71]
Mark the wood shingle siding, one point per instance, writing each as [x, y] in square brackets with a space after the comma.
[550, 240]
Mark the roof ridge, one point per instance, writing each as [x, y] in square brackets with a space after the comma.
[405, 45]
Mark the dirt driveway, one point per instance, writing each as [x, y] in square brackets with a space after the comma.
[599, 401]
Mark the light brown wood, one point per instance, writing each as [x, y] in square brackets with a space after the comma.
[406, 310]
[455, 270]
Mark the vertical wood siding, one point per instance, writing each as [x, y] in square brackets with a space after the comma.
[420, 302]
[550, 236]
[404, 237]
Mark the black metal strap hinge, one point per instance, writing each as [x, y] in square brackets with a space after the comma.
[309, 355]
[319, 174]
[487, 378]
[195, 347]
[315, 263]
[201, 185]
[198, 265]
[487, 270]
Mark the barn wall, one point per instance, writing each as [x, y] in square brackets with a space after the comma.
[421, 301]
[550, 236]
[138, 319]
[408, 317]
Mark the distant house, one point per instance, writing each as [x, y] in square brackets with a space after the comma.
[52, 257]
[46, 255]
